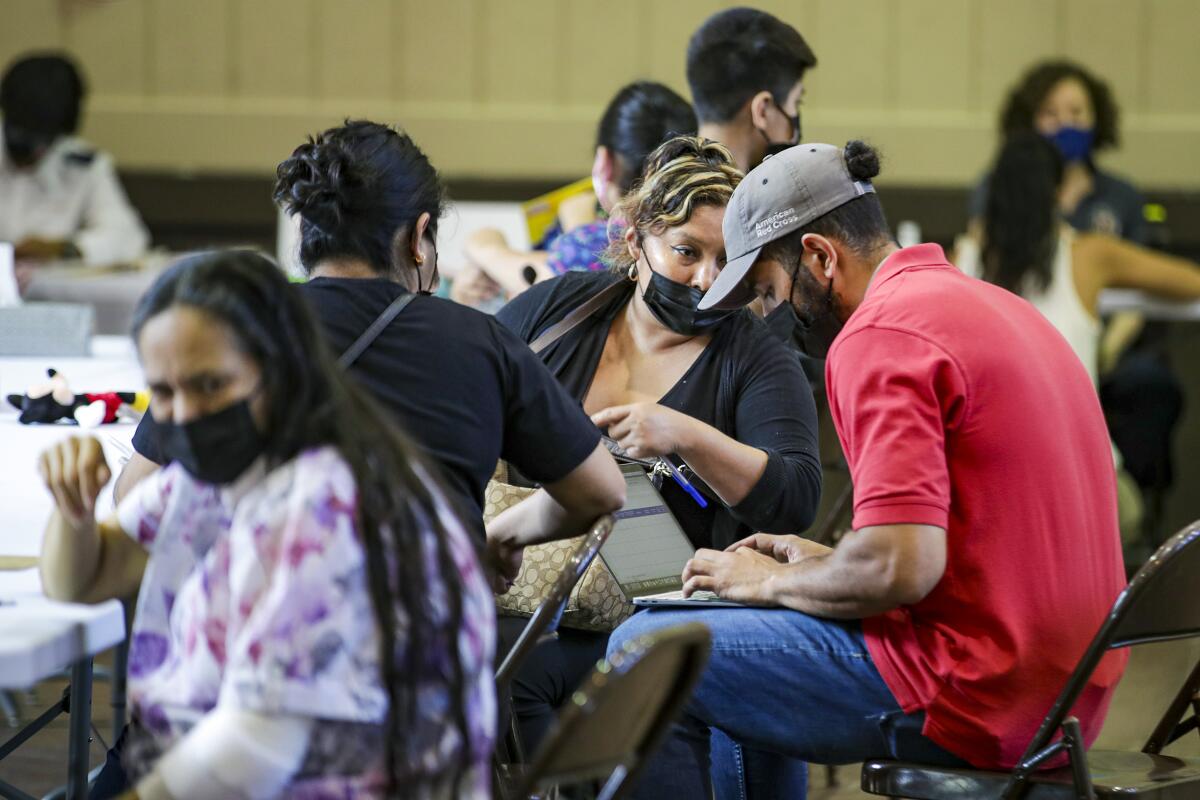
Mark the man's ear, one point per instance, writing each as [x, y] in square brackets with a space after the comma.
[760, 105]
[820, 256]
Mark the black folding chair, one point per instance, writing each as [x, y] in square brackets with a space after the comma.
[508, 746]
[619, 717]
[1161, 603]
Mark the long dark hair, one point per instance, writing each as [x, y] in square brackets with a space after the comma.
[639, 118]
[359, 190]
[1026, 98]
[311, 403]
[1020, 217]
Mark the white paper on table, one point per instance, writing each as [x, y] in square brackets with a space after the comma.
[18, 582]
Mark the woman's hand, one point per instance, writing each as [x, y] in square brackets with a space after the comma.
[472, 287]
[75, 471]
[645, 430]
[503, 561]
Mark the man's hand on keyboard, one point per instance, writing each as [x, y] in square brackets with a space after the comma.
[744, 575]
[785, 549]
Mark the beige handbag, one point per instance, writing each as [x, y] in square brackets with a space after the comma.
[596, 603]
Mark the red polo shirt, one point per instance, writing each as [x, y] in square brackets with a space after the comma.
[958, 405]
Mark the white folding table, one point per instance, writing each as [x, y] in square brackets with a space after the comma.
[40, 638]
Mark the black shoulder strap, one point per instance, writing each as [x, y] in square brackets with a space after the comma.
[578, 315]
[371, 333]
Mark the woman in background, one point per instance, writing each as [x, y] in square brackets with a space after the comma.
[1028, 247]
[312, 619]
[638, 119]
[1071, 107]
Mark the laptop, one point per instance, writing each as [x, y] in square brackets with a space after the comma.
[647, 550]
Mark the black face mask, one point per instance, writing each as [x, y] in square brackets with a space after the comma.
[215, 448]
[23, 147]
[674, 305]
[774, 148]
[811, 334]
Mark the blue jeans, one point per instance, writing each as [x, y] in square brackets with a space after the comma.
[781, 688]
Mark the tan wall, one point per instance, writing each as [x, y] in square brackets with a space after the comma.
[512, 88]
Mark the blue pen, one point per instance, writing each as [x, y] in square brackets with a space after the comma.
[683, 483]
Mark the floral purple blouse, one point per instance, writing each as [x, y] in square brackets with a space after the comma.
[580, 248]
[255, 597]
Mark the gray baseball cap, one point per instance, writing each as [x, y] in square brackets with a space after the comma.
[782, 194]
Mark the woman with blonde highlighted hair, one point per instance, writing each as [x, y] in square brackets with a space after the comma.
[711, 391]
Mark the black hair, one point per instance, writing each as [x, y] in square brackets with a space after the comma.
[859, 224]
[1027, 97]
[639, 118]
[43, 94]
[1020, 220]
[738, 53]
[312, 403]
[359, 190]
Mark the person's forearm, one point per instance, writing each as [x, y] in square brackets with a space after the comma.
[70, 555]
[730, 468]
[507, 266]
[860, 578]
[826, 586]
[537, 519]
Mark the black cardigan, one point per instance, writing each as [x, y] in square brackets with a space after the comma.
[745, 383]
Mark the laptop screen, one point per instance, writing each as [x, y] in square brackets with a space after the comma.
[647, 549]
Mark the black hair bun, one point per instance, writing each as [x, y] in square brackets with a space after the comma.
[862, 160]
[318, 183]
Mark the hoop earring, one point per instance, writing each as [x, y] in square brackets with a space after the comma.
[632, 272]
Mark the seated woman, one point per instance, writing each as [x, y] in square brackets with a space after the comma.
[714, 390]
[1075, 110]
[638, 119]
[1028, 247]
[466, 389]
[312, 620]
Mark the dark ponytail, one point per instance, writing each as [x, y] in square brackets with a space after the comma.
[639, 118]
[862, 160]
[1020, 219]
[359, 189]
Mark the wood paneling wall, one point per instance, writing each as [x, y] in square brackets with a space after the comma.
[508, 89]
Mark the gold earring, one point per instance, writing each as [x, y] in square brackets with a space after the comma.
[632, 272]
[420, 260]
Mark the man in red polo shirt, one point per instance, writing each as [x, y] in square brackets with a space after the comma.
[985, 551]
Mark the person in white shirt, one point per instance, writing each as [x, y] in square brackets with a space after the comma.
[59, 196]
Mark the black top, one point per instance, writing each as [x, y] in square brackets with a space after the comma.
[467, 391]
[1113, 206]
[745, 384]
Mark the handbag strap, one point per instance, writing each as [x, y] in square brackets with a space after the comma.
[372, 332]
[578, 315]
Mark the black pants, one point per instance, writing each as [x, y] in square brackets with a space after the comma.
[553, 670]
